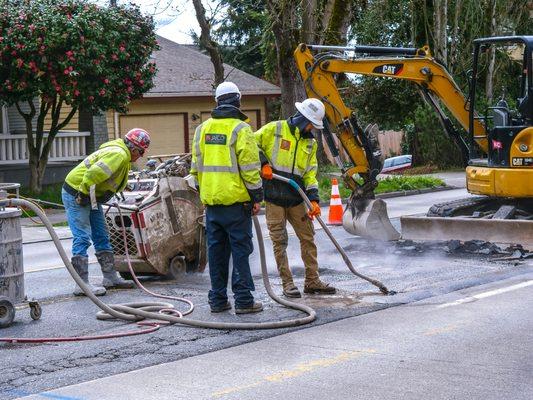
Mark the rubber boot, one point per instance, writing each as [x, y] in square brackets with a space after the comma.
[81, 265]
[111, 278]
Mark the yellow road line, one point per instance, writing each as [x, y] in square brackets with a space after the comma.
[298, 370]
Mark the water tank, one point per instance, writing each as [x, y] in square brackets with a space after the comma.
[11, 265]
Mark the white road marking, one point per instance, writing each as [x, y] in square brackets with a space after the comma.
[486, 294]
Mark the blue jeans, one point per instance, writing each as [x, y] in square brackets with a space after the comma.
[229, 232]
[85, 224]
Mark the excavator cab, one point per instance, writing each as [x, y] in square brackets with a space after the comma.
[498, 171]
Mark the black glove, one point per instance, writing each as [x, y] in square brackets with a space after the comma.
[82, 199]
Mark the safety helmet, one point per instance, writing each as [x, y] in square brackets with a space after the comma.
[226, 88]
[313, 110]
[139, 138]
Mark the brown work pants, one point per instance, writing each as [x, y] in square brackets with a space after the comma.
[277, 218]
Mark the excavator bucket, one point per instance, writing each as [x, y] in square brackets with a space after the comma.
[368, 218]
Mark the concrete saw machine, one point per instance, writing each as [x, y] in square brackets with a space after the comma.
[163, 219]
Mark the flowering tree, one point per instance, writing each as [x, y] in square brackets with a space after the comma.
[70, 54]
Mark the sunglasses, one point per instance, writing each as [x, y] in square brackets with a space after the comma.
[141, 151]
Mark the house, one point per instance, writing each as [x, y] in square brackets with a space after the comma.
[180, 100]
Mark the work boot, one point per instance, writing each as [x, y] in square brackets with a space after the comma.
[222, 308]
[292, 292]
[81, 265]
[319, 287]
[256, 306]
[106, 259]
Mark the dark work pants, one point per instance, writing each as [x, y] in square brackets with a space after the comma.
[229, 232]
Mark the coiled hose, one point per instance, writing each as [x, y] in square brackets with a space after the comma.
[158, 311]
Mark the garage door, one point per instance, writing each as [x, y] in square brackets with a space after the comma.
[167, 131]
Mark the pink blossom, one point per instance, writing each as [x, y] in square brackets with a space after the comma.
[129, 89]
[69, 53]
[20, 62]
[122, 48]
[141, 82]
[76, 92]
[102, 92]
[114, 56]
[66, 71]
[106, 81]
[91, 98]
[58, 88]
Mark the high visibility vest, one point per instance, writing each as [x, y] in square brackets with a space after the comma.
[225, 161]
[289, 153]
[105, 170]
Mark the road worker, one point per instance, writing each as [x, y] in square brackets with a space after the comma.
[288, 148]
[225, 162]
[92, 182]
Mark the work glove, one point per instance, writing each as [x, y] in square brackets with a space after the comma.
[82, 199]
[256, 208]
[266, 171]
[315, 210]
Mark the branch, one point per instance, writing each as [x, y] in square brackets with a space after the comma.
[29, 127]
[208, 43]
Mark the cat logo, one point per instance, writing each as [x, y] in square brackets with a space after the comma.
[389, 69]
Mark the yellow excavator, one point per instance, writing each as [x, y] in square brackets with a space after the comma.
[496, 144]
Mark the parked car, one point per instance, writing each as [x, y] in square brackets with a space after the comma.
[396, 164]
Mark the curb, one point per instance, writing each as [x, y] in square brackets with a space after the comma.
[401, 193]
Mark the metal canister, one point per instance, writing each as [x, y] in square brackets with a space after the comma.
[11, 264]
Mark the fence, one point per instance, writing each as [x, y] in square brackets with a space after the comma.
[67, 146]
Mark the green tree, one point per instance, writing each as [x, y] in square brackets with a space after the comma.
[70, 54]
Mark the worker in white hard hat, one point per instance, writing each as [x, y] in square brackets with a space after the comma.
[288, 148]
[225, 162]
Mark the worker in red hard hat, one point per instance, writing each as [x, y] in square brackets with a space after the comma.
[92, 182]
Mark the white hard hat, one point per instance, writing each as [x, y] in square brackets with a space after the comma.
[313, 110]
[226, 88]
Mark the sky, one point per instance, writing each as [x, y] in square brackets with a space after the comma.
[175, 18]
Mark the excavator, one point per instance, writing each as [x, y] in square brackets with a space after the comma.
[496, 143]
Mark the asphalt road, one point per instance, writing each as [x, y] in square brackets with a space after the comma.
[415, 272]
[472, 344]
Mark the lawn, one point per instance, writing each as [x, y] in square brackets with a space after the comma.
[389, 184]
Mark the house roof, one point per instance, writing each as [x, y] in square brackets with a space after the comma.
[185, 72]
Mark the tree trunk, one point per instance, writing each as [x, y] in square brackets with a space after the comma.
[37, 169]
[440, 17]
[286, 34]
[337, 26]
[489, 83]
[455, 36]
[208, 43]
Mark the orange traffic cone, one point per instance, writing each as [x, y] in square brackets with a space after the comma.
[335, 205]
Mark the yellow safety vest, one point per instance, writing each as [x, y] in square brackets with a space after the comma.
[225, 161]
[289, 153]
[105, 170]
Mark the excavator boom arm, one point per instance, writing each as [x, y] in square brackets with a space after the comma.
[415, 66]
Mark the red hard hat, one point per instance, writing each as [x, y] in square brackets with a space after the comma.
[139, 138]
